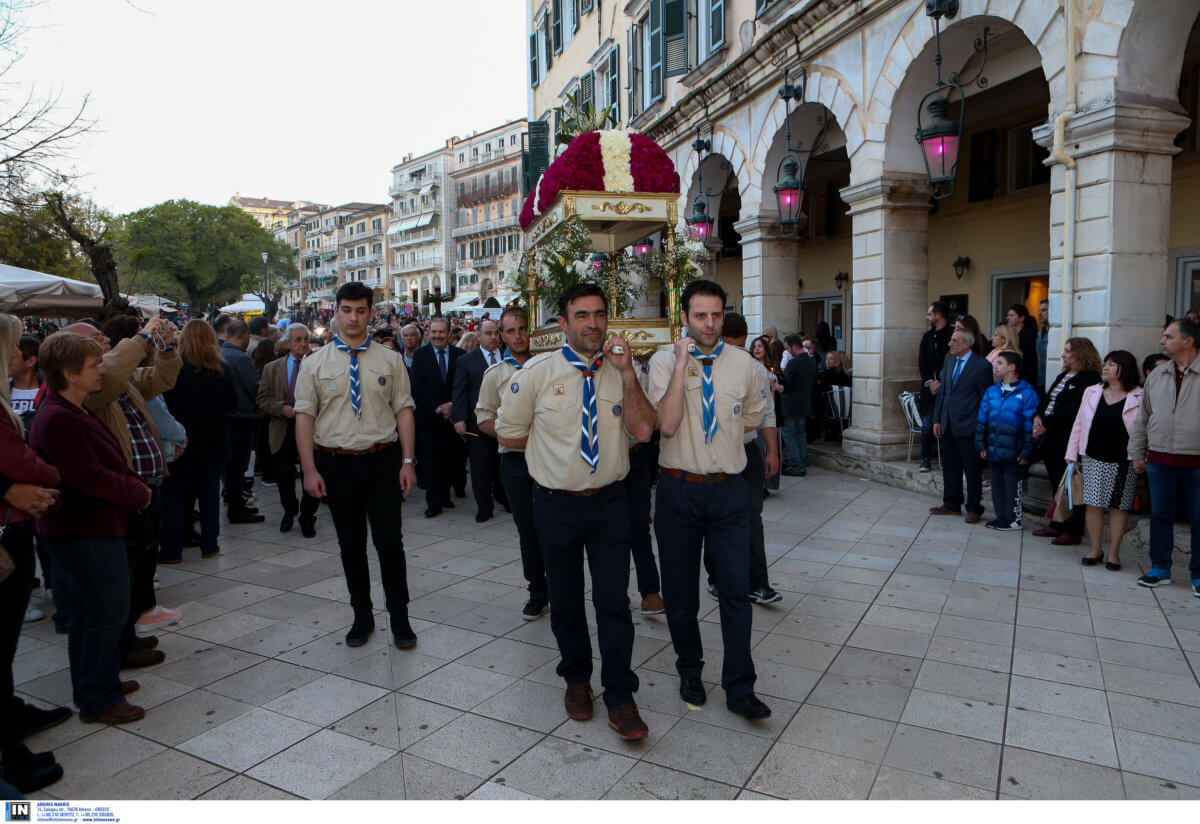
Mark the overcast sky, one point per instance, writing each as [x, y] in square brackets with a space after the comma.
[289, 100]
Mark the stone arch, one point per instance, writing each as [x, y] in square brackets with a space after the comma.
[806, 121]
[1150, 48]
[909, 71]
[726, 144]
[825, 87]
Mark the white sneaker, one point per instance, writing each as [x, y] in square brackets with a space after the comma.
[34, 614]
[160, 616]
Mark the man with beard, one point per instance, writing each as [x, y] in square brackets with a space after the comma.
[931, 357]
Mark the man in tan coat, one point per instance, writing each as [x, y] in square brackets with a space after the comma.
[277, 399]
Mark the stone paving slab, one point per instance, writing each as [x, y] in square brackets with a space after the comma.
[911, 657]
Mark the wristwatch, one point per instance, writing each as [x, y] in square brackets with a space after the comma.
[412, 461]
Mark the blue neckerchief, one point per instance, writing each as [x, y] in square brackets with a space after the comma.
[355, 388]
[589, 439]
[708, 402]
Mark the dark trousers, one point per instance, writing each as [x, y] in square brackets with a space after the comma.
[14, 598]
[284, 466]
[484, 453]
[262, 449]
[960, 457]
[193, 477]
[925, 403]
[519, 488]
[689, 516]
[567, 525]
[361, 489]
[637, 491]
[141, 550]
[1055, 451]
[97, 573]
[1006, 490]
[1173, 488]
[241, 443]
[439, 451]
[754, 475]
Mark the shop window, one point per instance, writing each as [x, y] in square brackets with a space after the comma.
[1025, 159]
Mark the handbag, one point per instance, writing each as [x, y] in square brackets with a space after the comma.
[1069, 494]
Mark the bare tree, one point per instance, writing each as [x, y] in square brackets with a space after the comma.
[92, 230]
[37, 129]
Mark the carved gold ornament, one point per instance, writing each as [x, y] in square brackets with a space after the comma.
[623, 207]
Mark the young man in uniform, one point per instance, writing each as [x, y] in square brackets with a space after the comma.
[514, 474]
[570, 410]
[708, 396]
[354, 407]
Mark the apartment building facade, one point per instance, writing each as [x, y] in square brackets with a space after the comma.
[487, 234]
[1075, 178]
[363, 253]
[418, 233]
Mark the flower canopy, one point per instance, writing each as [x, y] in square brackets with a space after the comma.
[605, 161]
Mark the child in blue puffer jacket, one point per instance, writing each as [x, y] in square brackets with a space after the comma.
[1004, 437]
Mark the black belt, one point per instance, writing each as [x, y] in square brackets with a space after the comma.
[578, 493]
[334, 450]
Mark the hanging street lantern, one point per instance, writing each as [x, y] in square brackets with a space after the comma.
[789, 190]
[789, 194]
[642, 249]
[699, 222]
[938, 136]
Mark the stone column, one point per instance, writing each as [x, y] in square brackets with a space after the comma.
[769, 272]
[889, 287]
[1122, 285]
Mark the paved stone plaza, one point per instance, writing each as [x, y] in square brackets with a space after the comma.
[911, 657]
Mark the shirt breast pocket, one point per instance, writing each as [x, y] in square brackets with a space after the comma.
[332, 382]
[730, 400]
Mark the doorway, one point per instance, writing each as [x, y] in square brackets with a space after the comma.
[829, 309]
[1029, 288]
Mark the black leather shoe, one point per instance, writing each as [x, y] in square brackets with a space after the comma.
[432, 511]
[691, 690]
[460, 493]
[32, 719]
[749, 706]
[246, 517]
[308, 530]
[29, 772]
[402, 632]
[360, 630]
[285, 525]
[479, 519]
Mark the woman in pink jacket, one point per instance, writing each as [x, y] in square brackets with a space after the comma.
[1098, 447]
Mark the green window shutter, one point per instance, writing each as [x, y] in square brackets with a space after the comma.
[656, 50]
[631, 80]
[675, 37]
[587, 6]
[533, 61]
[716, 27]
[575, 15]
[557, 23]
[587, 92]
[547, 41]
[614, 85]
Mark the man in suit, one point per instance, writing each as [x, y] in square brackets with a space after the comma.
[277, 400]
[440, 452]
[931, 357]
[243, 421]
[964, 379]
[410, 336]
[483, 450]
[798, 380]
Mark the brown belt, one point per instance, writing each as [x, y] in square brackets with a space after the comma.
[581, 493]
[332, 450]
[693, 478]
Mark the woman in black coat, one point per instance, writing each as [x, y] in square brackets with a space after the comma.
[1053, 422]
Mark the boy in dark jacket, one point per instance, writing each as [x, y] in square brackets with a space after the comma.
[1004, 437]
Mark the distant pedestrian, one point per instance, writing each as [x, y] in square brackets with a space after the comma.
[1004, 438]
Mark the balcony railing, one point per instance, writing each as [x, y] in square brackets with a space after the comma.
[329, 252]
[408, 238]
[420, 209]
[489, 193]
[320, 293]
[496, 225]
[404, 267]
[310, 253]
[359, 237]
[359, 262]
[491, 157]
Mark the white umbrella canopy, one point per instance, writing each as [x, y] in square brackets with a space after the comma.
[249, 304]
[26, 292]
[150, 304]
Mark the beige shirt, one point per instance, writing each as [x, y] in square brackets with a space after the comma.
[323, 391]
[544, 402]
[491, 392]
[741, 397]
[768, 421]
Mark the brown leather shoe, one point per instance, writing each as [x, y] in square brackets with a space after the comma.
[942, 510]
[123, 713]
[628, 724]
[578, 701]
[130, 687]
[1067, 539]
[141, 657]
[653, 604]
[1047, 532]
[972, 517]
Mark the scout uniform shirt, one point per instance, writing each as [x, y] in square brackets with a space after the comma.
[323, 391]
[544, 401]
[741, 401]
[495, 383]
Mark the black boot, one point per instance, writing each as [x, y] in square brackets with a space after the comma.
[402, 632]
[27, 771]
[360, 630]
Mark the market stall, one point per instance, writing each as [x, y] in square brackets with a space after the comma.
[26, 292]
